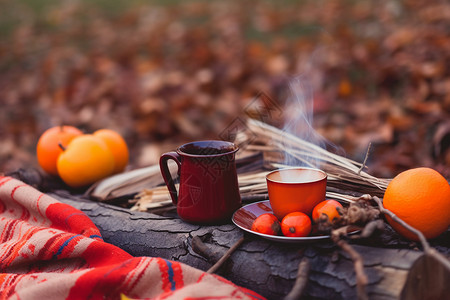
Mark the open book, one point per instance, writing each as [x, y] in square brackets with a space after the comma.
[127, 183]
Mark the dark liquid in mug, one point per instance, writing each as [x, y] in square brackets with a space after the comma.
[207, 148]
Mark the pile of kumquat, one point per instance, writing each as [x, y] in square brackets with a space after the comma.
[297, 224]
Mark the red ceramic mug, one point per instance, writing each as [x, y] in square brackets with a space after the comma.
[208, 191]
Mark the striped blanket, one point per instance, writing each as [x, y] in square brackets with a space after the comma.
[50, 250]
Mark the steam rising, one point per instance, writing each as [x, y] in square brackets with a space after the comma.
[298, 116]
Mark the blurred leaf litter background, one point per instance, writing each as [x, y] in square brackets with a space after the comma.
[165, 72]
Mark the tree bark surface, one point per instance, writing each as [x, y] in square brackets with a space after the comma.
[268, 268]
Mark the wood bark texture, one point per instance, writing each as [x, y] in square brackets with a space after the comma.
[268, 268]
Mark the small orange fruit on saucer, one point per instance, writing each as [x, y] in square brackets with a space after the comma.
[296, 224]
[328, 208]
[421, 198]
[266, 223]
[48, 147]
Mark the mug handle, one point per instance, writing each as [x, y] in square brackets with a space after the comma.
[166, 173]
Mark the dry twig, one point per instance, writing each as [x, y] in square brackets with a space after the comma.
[361, 277]
[200, 248]
[227, 254]
[370, 229]
[365, 159]
[301, 281]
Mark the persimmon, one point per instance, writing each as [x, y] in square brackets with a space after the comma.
[48, 149]
[84, 161]
[329, 208]
[296, 224]
[266, 223]
[117, 146]
[421, 198]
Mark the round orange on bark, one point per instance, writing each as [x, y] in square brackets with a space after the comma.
[48, 147]
[117, 146]
[421, 198]
[86, 160]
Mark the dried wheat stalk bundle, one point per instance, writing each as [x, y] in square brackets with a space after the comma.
[340, 169]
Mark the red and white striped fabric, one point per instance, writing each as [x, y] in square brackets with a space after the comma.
[50, 250]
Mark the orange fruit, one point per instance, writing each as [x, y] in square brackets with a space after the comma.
[266, 223]
[296, 224]
[328, 208]
[48, 149]
[421, 198]
[85, 160]
[117, 146]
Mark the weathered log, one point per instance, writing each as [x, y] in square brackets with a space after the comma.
[268, 268]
